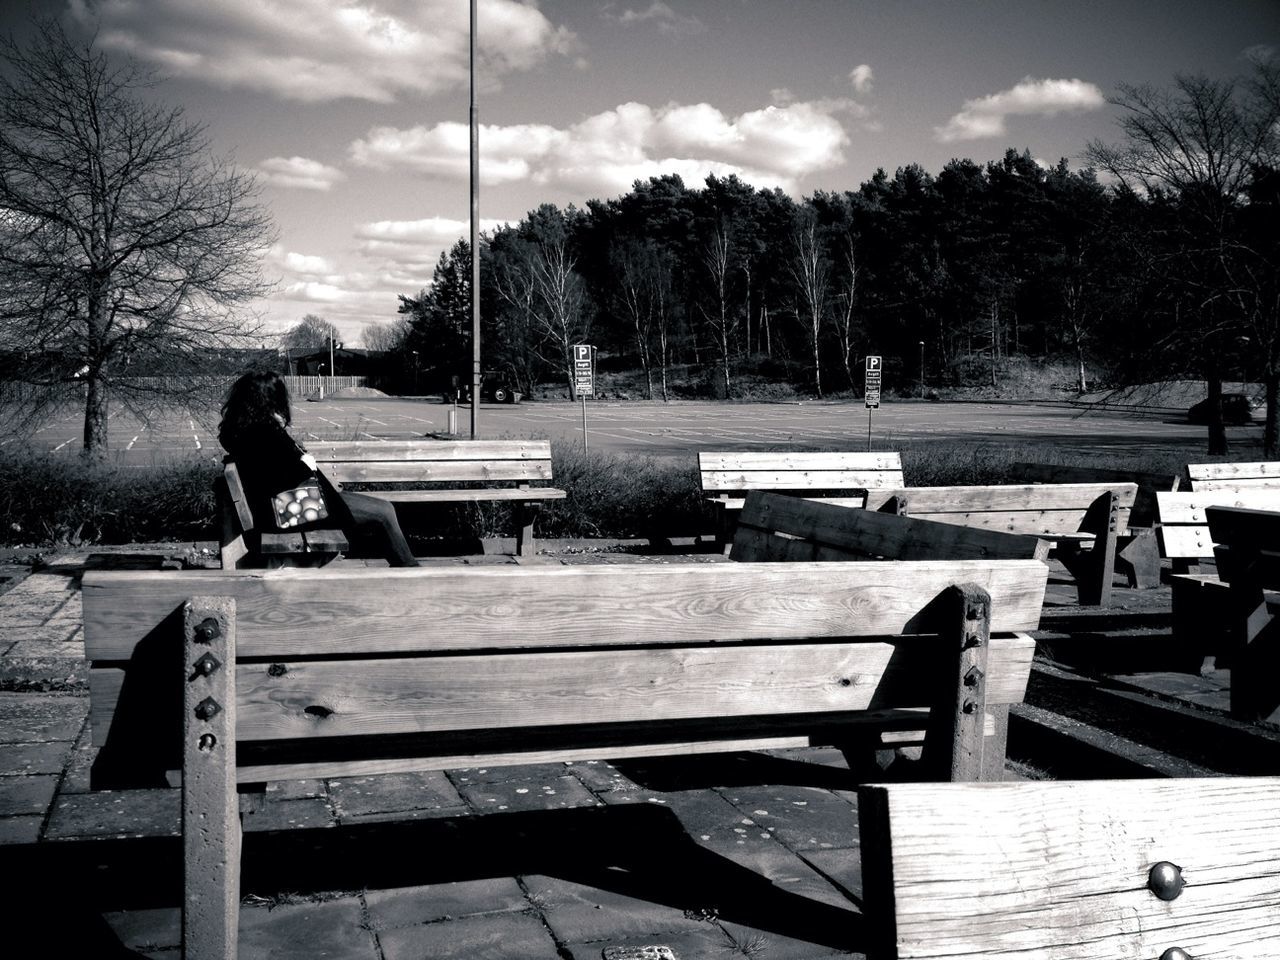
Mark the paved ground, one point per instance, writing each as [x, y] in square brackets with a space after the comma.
[680, 427]
[747, 855]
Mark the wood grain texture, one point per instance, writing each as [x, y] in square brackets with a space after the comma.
[785, 470]
[370, 611]
[1184, 521]
[432, 450]
[523, 691]
[468, 496]
[1058, 871]
[837, 532]
[435, 471]
[1218, 476]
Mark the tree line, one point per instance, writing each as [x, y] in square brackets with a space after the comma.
[1157, 260]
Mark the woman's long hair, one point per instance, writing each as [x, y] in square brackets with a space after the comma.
[253, 402]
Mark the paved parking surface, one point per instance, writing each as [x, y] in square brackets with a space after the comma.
[676, 428]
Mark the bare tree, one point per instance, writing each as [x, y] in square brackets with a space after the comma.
[1207, 143]
[559, 298]
[635, 268]
[847, 297]
[312, 332]
[124, 247]
[385, 337]
[810, 272]
[721, 318]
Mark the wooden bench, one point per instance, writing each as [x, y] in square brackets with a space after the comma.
[1199, 598]
[1248, 559]
[352, 670]
[1234, 477]
[244, 545]
[839, 476]
[396, 470]
[1084, 520]
[1138, 553]
[1073, 870]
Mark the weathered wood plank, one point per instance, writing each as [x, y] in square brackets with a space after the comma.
[468, 496]
[1190, 507]
[848, 534]
[737, 503]
[715, 461]
[424, 449]
[1059, 870]
[1149, 484]
[798, 479]
[1024, 497]
[1257, 474]
[210, 811]
[292, 699]
[369, 610]
[433, 471]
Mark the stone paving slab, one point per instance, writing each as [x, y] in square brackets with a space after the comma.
[428, 793]
[503, 937]
[412, 906]
[331, 929]
[30, 718]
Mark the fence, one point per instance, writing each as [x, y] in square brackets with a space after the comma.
[306, 386]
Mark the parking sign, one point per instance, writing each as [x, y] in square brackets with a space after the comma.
[871, 389]
[584, 370]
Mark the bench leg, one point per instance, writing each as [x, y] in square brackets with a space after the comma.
[995, 745]
[1138, 558]
[1255, 652]
[953, 742]
[210, 807]
[526, 513]
[1093, 569]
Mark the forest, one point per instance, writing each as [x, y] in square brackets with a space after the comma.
[1157, 259]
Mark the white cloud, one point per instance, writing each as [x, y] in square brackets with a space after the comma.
[985, 116]
[412, 247]
[861, 77]
[321, 50]
[299, 173]
[776, 145]
[663, 17]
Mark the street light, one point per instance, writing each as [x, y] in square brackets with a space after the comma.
[921, 369]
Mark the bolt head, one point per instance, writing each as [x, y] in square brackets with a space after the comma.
[1165, 880]
[208, 708]
[1176, 953]
[207, 630]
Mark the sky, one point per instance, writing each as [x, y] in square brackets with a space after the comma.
[354, 113]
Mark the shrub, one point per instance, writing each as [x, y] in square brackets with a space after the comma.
[53, 499]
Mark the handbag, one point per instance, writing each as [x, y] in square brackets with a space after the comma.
[300, 504]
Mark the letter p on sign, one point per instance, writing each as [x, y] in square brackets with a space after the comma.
[873, 364]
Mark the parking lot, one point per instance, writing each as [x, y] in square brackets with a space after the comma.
[672, 429]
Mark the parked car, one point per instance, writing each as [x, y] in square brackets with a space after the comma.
[1237, 408]
[494, 388]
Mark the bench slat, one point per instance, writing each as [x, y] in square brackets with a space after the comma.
[815, 479]
[368, 611]
[1058, 870]
[467, 496]
[409, 450]
[1029, 497]
[842, 533]
[1233, 475]
[796, 460]
[449, 693]
[433, 471]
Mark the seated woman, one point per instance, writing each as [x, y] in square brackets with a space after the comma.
[254, 417]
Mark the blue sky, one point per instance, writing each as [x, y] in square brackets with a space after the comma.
[354, 112]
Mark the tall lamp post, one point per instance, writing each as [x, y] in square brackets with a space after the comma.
[475, 235]
[921, 369]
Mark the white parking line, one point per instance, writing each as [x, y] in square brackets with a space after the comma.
[129, 445]
[196, 436]
[61, 445]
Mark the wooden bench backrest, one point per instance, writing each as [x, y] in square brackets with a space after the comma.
[774, 527]
[406, 461]
[1060, 870]
[1041, 510]
[728, 473]
[1234, 476]
[1184, 523]
[1149, 484]
[506, 651]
